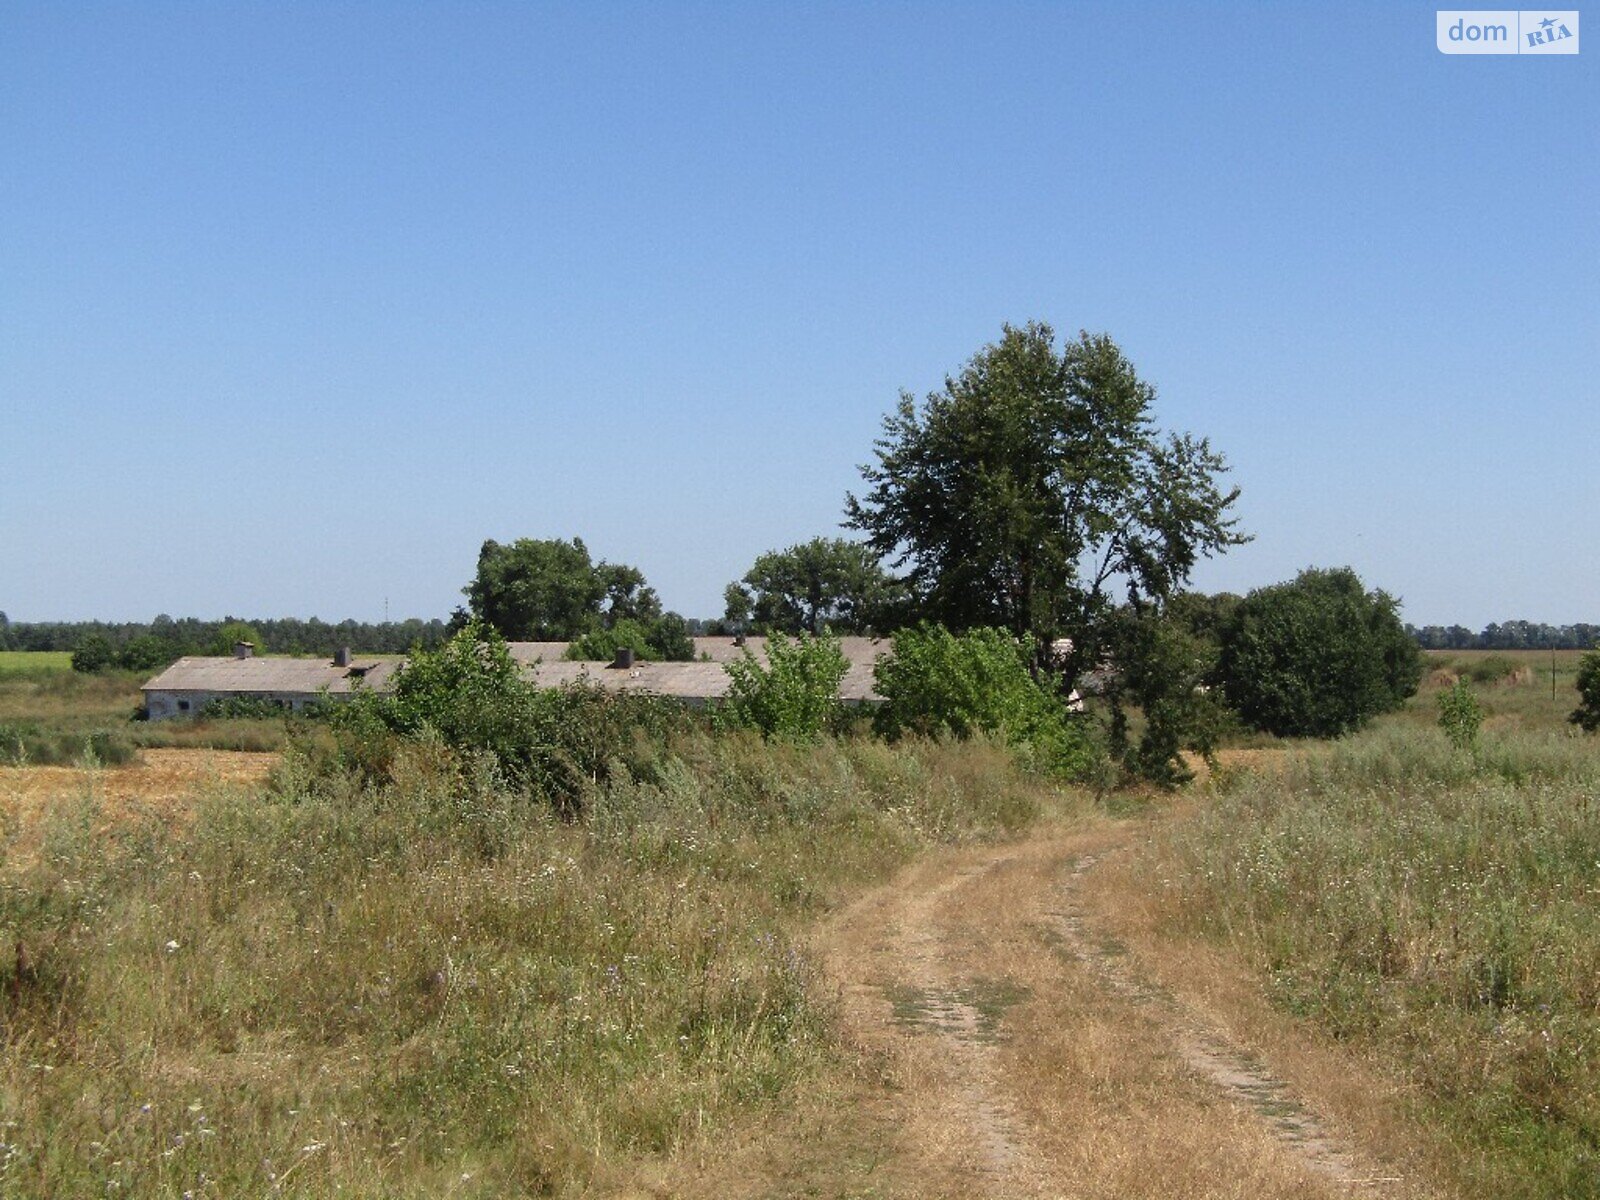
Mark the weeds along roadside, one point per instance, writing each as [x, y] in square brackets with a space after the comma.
[1438, 910]
[433, 983]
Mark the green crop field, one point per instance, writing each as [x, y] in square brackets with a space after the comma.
[30, 662]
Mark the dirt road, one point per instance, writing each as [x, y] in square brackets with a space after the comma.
[1012, 1048]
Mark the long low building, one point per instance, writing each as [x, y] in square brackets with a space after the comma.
[188, 685]
[696, 682]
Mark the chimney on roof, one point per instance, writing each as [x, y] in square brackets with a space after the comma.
[244, 649]
[624, 658]
[341, 656]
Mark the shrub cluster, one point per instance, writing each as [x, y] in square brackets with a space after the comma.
[96, 653]
[795, 696]
[658, 639]
[941, 684]
[259, 708]
[471, 698]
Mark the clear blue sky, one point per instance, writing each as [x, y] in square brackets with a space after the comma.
[301, 302]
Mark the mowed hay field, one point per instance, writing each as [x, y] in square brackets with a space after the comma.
[161, 784]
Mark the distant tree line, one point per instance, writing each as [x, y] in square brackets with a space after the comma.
[170, 638]
[1508, 635]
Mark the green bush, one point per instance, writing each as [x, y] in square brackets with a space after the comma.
[147, 653]
[1163, 670]
[1492, 668]
[95, 653]
[937, 683]
[1587, 715]
[1460, 716]
[662, 639]
[1317, 657]
[471, 698]
[795, 696]
[254, 708]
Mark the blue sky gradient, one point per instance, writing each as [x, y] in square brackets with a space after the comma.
[301, 302]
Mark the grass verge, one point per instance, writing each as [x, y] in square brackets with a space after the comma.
[1436, 910]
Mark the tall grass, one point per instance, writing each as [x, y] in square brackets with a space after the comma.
[435, 987]
[27, 745]
[1438, 908]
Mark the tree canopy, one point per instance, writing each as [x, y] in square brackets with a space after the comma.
[232, 633]
[536, 590]
[1034, 491]
[826, 583]
[1317, 657]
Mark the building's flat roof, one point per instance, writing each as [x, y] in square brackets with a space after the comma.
[299, 676]
[704, 679]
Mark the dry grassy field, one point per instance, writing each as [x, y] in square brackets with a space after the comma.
[1324, 969]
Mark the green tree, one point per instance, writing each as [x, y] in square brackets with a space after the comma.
[552, 591]
[1034, 493]
[537, 591]
[826, 583]
[147, 653]
[1034, 489]
[795, 696]
[1587, 715]
[95, 653]
[627, 596]
[1317, 657]
[738, 607]
[231, 634]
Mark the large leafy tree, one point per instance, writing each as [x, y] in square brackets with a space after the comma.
[826, 583]
[536, 590]
[1318, 656]
[1035, 493]
[553, 591]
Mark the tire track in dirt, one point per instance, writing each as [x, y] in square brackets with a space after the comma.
[1210, 1052]
[909, 984]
